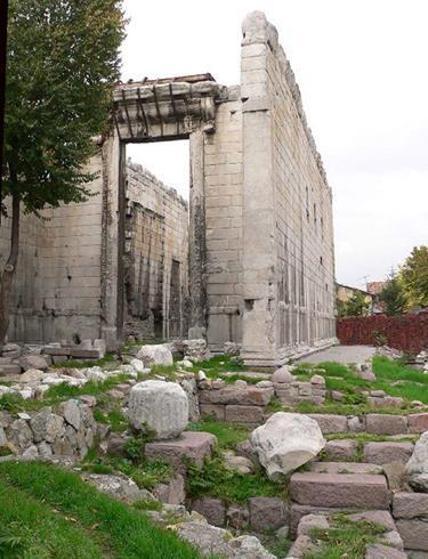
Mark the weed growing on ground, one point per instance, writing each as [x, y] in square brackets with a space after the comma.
[228, 434]
[344, 538]
[215, 480]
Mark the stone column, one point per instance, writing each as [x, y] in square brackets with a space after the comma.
[110, 241]
[197, 245]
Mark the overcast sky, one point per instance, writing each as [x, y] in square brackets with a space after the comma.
[362, 69]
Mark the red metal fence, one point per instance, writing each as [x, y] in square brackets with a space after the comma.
[407, 332]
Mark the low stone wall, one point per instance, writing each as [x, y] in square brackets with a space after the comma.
[67, 431]
[259, 514]
[407, 332]
[237, 403]
[374, 423]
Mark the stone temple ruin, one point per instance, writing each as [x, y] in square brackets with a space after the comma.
[250, 261]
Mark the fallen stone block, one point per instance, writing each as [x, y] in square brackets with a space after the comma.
[244, 414]
[12, 369]
[414, 533]
[379, 551]
[330, 423]
[267, 513]
[340, 490]
[217, 411]
[410, 505]
[341, 449]
[193, 446]
[245, 396]
[383, 424]
[387, 452]
[172, 492]
[345, 468]
[380, 517]
[212, 509]
[418, 422]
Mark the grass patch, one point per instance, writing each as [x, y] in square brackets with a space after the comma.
[344, 538]
[50, 513]
[215, 480]
[393, 377]
[228, 435]
[108, 361]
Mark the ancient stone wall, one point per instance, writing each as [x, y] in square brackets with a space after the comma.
[288, 253]
[61, 289]
[156, 256]
[223, 208]
[57, 284]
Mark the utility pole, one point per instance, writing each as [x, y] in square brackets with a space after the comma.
[4, 9]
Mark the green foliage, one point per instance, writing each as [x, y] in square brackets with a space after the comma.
[214, 479]
[63, 58]
[393, 297]
[114, 418]
[414, 277]
[148, 504]
[228, 434]
[357, 305]
[53, 513]
[344, 538]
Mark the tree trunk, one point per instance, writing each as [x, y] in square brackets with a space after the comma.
[6, 279]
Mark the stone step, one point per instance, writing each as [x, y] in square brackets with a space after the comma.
[363, 491]
[193, 446]
[345, 468]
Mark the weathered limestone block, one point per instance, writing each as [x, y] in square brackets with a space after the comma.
[342, 449]
[33, 362]
[159, 354]
[330, 423]
[160, 406]
[237, 516]
[414, 533]
[379, 551]
[246, 396]
[19, 435]
[217, 411]
[252, 415]
[383, 424]
[267, 513]
[417, 466]
[410, 505]
[285, 442]
[47, 426]
[190, 387]
[387, 452]
[193, 446]
[119, 487]
[340, 490]
[212, 509]
[172, 492]
[418, 422]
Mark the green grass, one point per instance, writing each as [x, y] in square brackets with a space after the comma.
[108, 361]
[228, 434]
[344, 538]
[215, 480]
[48, 513]
[392, 377]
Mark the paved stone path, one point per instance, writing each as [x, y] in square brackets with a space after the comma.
[342, 354]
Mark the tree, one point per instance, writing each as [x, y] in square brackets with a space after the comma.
[393, 296]
[63, 59]
[414, 277]
[357, 305]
